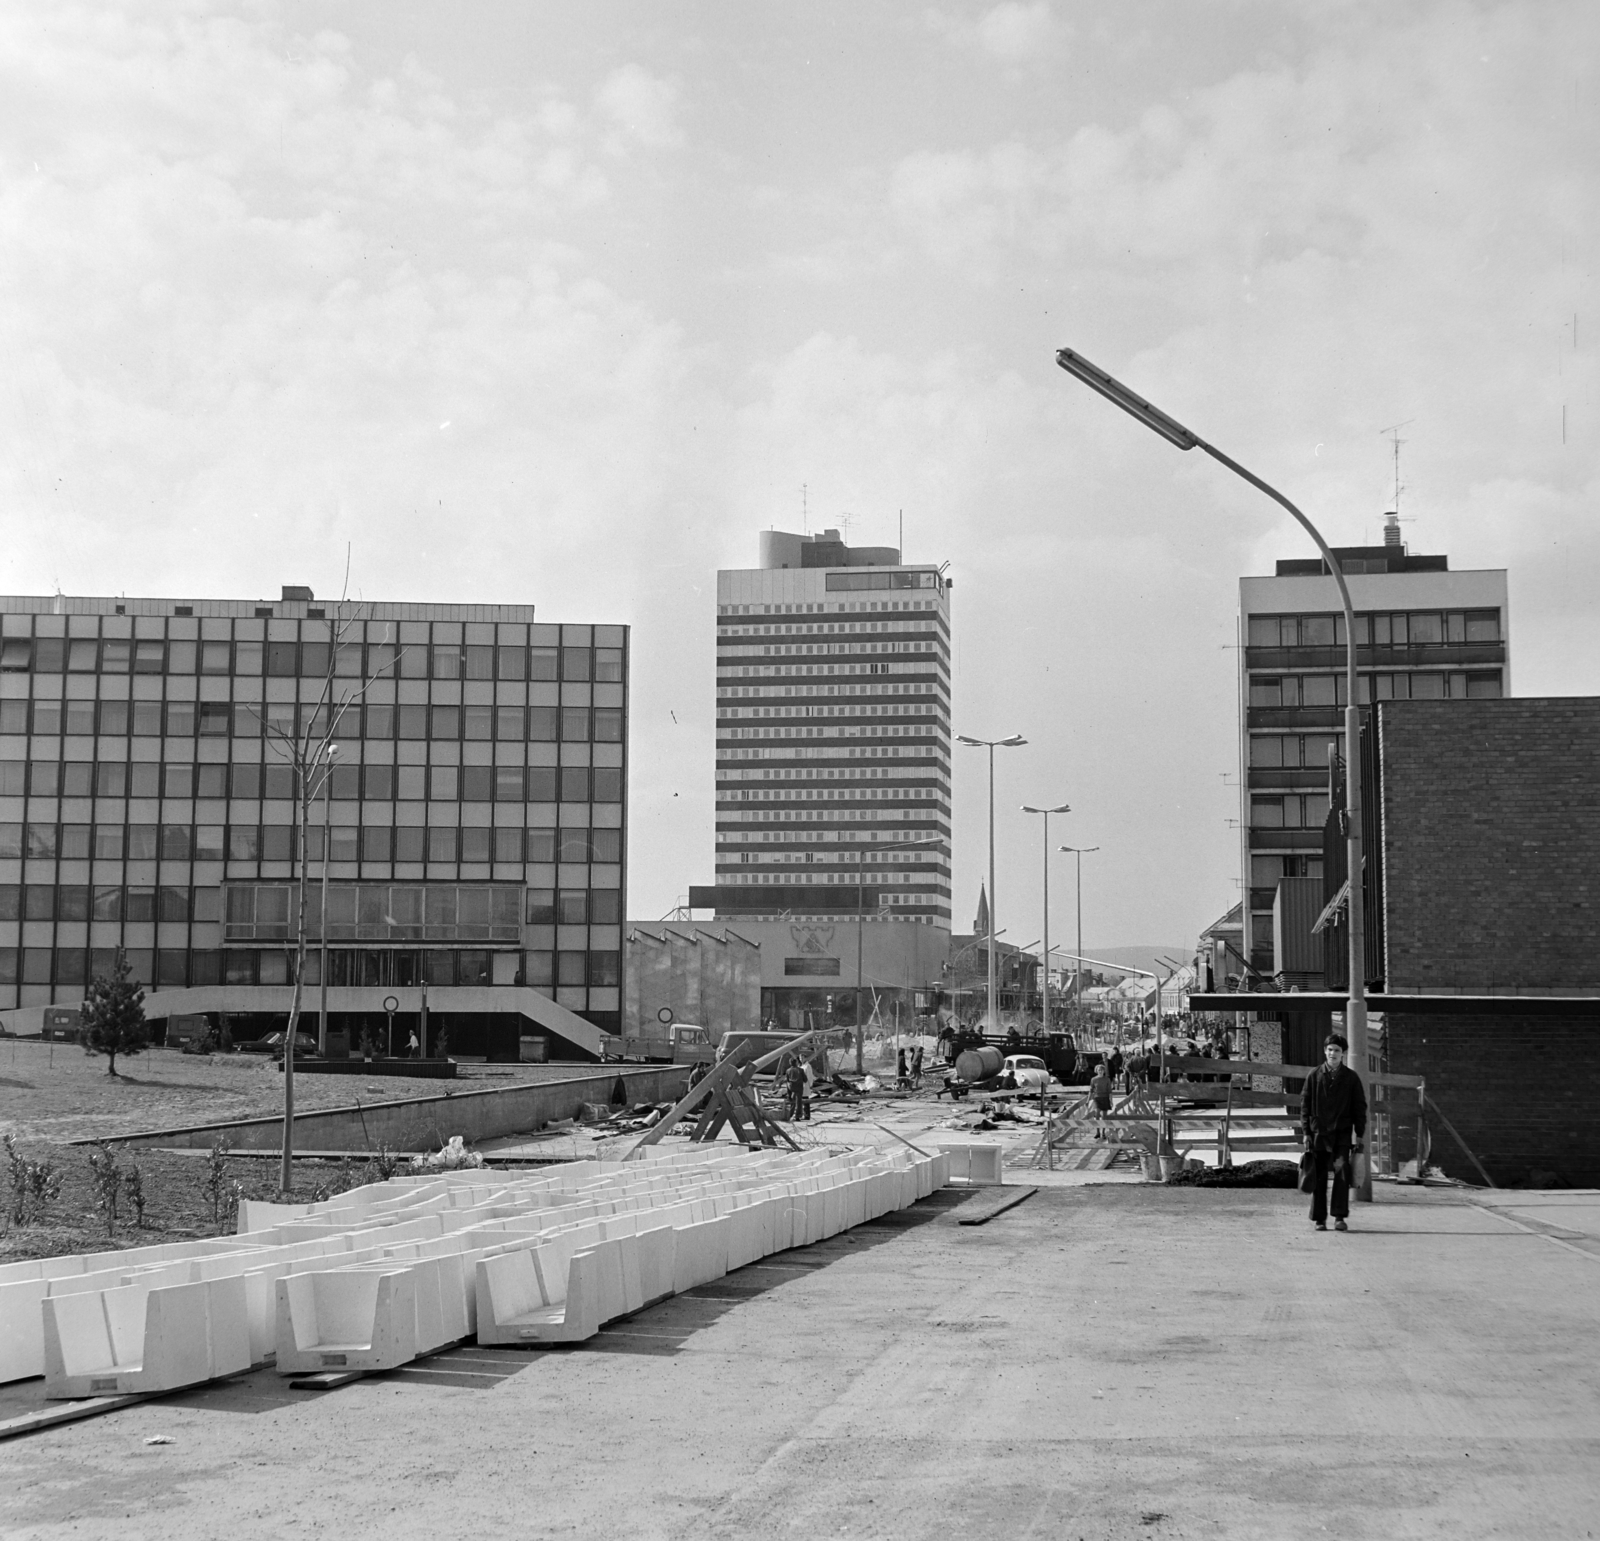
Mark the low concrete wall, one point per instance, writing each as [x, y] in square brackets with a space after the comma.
[412, 1121]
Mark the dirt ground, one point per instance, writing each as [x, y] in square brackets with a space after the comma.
[1111, 1361]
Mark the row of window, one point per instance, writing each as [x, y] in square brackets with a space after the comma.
[1411, 628]
[269, 910]
[374, 783]
[1291, 811]
[275, 842]
[396, 906]
[351, 660]
[174, 969]
[1292, 751]
[222, 719]
[1278, 690]
[903, 581]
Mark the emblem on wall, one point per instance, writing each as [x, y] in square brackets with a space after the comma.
[812, 939]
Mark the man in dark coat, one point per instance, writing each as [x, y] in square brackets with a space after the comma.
[1333, 1121]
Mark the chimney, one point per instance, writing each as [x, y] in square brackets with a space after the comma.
[1391, 531]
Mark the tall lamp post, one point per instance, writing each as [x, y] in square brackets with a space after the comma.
[1080, 851]
[1044, 984]
[1355, 1016]
[861, 853]
[322, 966]
[1016, 741]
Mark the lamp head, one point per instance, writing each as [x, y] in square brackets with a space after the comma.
[1064, 808]
[1134, 405]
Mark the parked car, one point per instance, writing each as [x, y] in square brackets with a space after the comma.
[1024, 1072]
[305, 1045]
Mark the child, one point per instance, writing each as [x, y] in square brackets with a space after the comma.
[1100, 1090]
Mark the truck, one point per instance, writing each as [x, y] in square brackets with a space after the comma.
[670, 1043]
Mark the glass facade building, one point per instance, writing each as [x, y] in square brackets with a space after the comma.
[476, 831]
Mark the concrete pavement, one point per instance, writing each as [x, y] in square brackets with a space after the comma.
[1103, 1361]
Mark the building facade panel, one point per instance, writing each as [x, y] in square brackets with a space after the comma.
[147, 799]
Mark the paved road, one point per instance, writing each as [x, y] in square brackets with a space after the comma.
[1103, 1361]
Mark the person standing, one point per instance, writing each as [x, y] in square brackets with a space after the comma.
[796, 1076]
[1100, 1091]
[916, 1066]
[1333, 1123]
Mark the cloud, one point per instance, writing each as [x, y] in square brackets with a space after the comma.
[1016, 34]
[643, 107]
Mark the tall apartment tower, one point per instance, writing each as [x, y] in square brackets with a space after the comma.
[475, 821]
[833, 757]
[1423, 633]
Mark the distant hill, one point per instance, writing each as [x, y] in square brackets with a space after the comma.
[1139, 957]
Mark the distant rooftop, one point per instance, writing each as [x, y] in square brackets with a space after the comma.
[1363, 559]
[827, 549]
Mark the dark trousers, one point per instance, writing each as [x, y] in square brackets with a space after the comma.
[1330, 1163]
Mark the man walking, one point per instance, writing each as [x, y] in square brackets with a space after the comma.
[1333, 1122]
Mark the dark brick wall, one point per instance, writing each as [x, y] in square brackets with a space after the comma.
[1491, 844]
[1524, 1092]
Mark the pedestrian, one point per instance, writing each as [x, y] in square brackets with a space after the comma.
[796, 1077]
[1333, 1123]
[1100, 1091]
[916, 1066]
[413, 1046]
[902, 1076]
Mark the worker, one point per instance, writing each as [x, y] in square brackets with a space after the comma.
[799, 1103]
[902, 1075]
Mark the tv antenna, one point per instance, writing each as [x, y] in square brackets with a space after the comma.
[1398, 441]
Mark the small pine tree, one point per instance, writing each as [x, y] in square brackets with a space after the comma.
[113, 1015]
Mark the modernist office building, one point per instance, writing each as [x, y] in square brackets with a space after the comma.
[1424, 633]
[833, 760]
[476, 817]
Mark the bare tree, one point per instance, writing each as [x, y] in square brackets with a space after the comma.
[309, 745]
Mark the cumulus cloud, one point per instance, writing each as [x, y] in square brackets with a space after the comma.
[643, 107]
[1014, 33]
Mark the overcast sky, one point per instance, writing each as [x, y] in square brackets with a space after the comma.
[562, 304]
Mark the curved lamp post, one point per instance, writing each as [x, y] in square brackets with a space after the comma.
[1016, 741]
[1080, 851]
[1355, 1017]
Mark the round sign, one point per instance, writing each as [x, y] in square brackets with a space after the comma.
[391, 1004]
[664, 1015]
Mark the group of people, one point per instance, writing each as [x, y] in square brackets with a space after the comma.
[908, 1069]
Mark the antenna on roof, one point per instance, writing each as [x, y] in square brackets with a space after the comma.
[805, 511]
[1391, 520]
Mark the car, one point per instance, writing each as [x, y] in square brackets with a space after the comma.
[305, 1045]
[1025, 1072]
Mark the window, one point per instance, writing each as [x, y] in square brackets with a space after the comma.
[541, 845]
[508, 845]
[540, 908]
[47, 716]
[508, 783]
[1425, 629]
[377, 843]
[447, 662]
[472, 967]
[180, 718]
[281, 659]
[177, 842]
[475, 844]
[512, 663]
[608, 725]
[10, 901]
[41, 840]
[478, 721]
[149, 657]
[1266, 690]
[343, 842]
[441, 845]
[542, 783]
[606, 844]
[1484, 687]
[1266, 813]
[209, 842]
[541, 663]
[538, 969]
[510, 723]
[379, 781]
[80, 717]
[446, 722]
[574, 724]
[216, 719]
[13, 777]
[574, 783]
[172, 904]
[106, 903]
[608, 665]
[1318, 690]
[247, 658]
[571, 968]
[177, 780]
[607, 785]
[541, 724]
[575, 663]
[605, 907]
[573, 907]
[605, 969]
[214, 657]
[180, 657]
[244, 842]
[75, 842]
[1318, 631]
[16, 655]
[410, 844]
[378, 723]
[141, 903]
[1483, 625]
[1427, 687]
[39, 902]
[11, 843]
[412, 721]
[314, 660]
[477, 783]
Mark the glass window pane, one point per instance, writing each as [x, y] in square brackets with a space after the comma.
[479, 721]
[574, 724]
[541, 724]
[573, 907]
[571, 968]
[542, 663]
[607, 784]
[1425, 628]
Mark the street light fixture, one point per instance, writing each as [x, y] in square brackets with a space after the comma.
[1080, 851]
[1044, 983]
[1016, 741]
[1355, 1016]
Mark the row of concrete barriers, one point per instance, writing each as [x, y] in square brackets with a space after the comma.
[393, 1271]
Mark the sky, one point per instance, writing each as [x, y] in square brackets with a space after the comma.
[563, 304]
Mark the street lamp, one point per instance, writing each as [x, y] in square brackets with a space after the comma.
[327, 803]
[1355, 1016]
[1044, 985]
[861, 852]
[1016, 741]
[1080, 851]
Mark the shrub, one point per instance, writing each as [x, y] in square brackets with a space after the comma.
[221, 1188]
[34, 1185]
[106, 1179]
